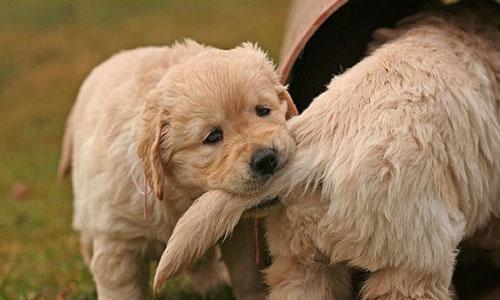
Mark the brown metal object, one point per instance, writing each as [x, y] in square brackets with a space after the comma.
[305, 17]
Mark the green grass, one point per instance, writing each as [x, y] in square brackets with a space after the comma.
[46, 49]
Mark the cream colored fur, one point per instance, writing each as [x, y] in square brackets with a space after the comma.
[144, 114]
[193, 233]
[396, 163]
[406, 155]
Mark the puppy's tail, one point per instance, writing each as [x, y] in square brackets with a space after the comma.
[64, 168]
[211, 217]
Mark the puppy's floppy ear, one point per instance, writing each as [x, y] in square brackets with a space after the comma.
[283, 95]
[153, 153]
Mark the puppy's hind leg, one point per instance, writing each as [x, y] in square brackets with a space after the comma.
[417, 267]
[120, 268]
[398, 284]
[290, 279]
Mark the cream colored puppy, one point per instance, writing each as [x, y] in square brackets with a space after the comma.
[406, 162]
[179, 120]
[396, 164]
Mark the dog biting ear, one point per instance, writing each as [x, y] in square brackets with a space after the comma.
[211, 217]
[153, 152]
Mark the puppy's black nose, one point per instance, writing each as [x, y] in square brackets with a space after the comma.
[264, 162]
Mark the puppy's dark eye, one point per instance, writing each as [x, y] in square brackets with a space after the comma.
[214, 136]
[262, 111]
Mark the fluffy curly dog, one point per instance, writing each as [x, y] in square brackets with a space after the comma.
[396, 163]
[179, 120]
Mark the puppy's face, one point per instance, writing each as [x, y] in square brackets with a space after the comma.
[221, 123]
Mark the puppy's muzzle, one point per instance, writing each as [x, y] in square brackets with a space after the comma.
[264, 162]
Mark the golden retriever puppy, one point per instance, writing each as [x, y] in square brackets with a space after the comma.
[396, 163]
[179, 121]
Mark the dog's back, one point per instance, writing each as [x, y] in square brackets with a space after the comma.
[426, 101]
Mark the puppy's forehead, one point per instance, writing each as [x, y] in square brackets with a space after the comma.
[225, 81]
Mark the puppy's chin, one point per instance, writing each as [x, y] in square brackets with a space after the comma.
[246, 188]
[263, 209]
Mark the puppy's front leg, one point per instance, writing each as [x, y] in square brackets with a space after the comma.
[238, 252]
[120, 268]
[292, 279]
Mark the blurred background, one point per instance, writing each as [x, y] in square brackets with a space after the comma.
[47, 47]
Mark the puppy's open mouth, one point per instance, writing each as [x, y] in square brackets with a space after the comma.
[263, 208]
